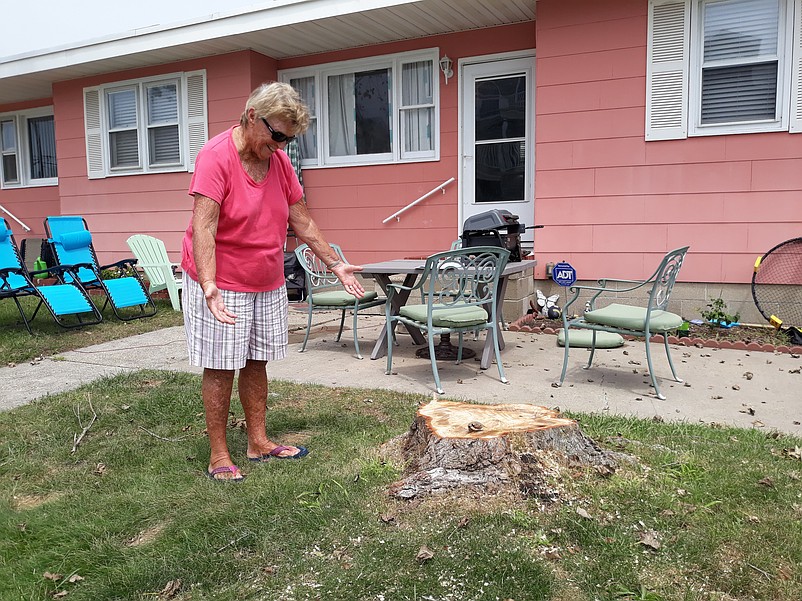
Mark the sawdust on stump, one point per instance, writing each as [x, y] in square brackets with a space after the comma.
[492, 449]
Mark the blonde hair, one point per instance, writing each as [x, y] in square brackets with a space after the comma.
[280, 101]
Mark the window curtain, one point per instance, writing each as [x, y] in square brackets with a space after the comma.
[307, 143]
[42, 136]
[342, 115]
[416, 89]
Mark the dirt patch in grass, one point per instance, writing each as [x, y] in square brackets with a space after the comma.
[148, 535]
[26, 502]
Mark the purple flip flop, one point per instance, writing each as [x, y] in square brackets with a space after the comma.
[222, 470]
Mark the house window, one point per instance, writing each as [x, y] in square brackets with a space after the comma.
[145, 126]
[28, 148]
[378, 110]
[720, 67]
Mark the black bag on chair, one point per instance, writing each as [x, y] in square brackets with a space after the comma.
[294, 277]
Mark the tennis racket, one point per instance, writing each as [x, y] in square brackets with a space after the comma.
[777, 285]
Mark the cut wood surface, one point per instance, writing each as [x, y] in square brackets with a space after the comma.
[491, 448]
[448, 419]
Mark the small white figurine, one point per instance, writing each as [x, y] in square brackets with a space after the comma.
[548, 305]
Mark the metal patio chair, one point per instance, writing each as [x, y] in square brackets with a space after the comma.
[326, 294]
[460, 287]
[628, 319]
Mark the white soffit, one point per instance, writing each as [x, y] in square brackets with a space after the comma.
[279, 29]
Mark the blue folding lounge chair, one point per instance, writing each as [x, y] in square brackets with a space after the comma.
[71, 242]
[69, 304]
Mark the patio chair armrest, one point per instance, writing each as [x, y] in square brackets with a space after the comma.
[57, 270]
[120, 264]
[6, 271]
[397, 287]
[605, 283]
[75, 267]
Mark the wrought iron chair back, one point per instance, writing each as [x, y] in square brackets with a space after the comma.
[326, 294]
[460, 288]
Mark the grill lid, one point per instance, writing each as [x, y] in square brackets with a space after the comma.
[490, 220]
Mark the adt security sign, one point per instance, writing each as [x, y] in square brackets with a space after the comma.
[563, 274]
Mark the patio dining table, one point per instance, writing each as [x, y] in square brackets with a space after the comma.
[412, 269]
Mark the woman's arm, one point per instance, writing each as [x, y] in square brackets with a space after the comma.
[205, 215]
[307, 230]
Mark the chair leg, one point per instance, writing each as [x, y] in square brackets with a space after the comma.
[308, 328]
[390, 328]
[502, 376]
[567, 347]
[459, 350]
[670, 362]
[342, 321]
[592, 350]
[356, 339]
[659, 394]
[433, 358]
[22, 314]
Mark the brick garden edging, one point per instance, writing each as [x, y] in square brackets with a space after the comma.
[520, 326]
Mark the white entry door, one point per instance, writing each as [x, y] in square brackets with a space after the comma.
[498, 139]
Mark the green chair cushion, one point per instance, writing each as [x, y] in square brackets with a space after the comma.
[340, 298]
[628, 317]
[455, 316]
[584, 339]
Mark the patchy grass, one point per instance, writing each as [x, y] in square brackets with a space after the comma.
[709, 514]
[48, 338]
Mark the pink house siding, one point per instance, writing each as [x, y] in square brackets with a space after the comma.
[613, 203]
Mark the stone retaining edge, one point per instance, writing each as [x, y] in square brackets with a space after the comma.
[738, 345]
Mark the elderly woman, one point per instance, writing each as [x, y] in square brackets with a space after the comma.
[235, 302]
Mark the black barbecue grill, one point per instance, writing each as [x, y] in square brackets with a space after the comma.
[497, 227]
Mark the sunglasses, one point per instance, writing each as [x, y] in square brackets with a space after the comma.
[277, 135]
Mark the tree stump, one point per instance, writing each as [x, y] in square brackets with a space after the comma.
[493, 448]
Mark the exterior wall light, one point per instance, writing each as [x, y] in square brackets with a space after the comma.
[445, 66]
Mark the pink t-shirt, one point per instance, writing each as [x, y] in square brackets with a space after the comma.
[252, 227]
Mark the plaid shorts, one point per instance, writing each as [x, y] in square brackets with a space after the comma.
[260, 332]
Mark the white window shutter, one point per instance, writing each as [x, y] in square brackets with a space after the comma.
[667, 67]
[195, 127]
[94, 134]
[796, 71]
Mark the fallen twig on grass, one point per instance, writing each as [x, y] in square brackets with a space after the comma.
[76, 439]
[757, 569]
[234, 542]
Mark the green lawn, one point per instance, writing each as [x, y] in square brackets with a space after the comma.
[48, 338]
[703, 514]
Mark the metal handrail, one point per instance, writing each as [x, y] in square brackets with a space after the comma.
[414, 202]
[10, 214]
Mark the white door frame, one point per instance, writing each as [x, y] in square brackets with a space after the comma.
[466, 121]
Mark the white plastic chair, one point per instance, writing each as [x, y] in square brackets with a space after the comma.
[151, 256]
